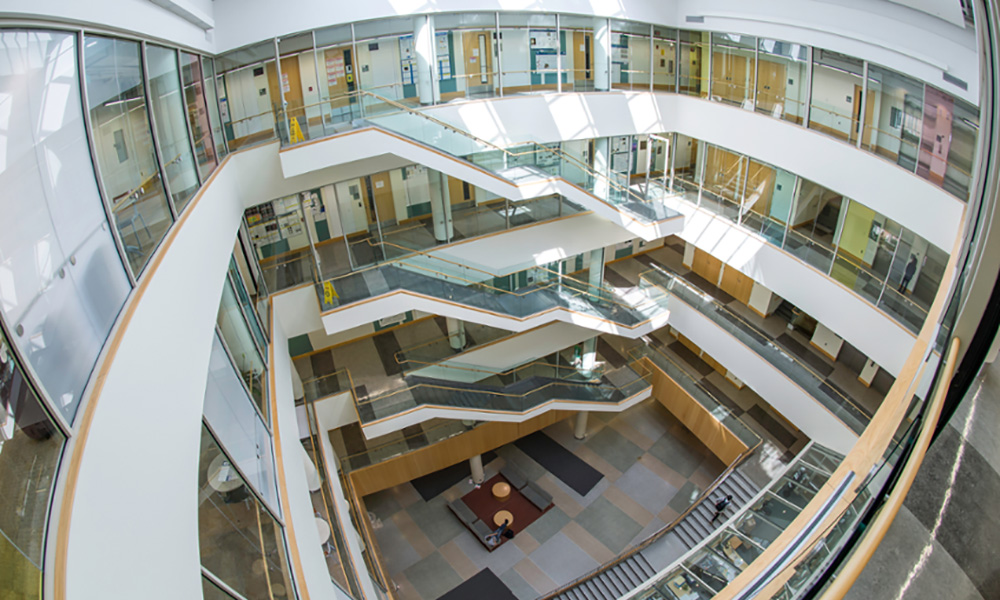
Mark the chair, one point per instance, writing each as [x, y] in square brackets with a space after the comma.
[463, 512]
[537, 496]
[514, 475]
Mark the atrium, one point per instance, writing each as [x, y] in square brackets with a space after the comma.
[493, 300]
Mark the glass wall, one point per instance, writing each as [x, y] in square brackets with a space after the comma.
[578, 62]
[664, 59]
[249, 94]
[782, 74]
[170, 118]
[63, 282]
[734, 68]
[214, 107]
[630, 55]
[197, 114]
[693, 65]
[30, 447]
[870, 254]
[835, 108]
[230, 413]
[241, 543]
[336, 60]
[472, 56]
[387, 61]
[119, 124]
[241, 342]
[894, 129]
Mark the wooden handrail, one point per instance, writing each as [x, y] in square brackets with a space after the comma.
[878, 528]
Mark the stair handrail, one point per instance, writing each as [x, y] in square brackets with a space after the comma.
[539, 147]
[630, 552]
[557, 382]
[664, 271]
[558, 281]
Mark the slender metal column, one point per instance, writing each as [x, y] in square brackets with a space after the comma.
[281, 90]
[558, 57]
[807, 107]
[187, 120]
[99, 178]
[864, 104]
[155, 138]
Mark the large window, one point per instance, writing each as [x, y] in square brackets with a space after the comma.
[120, 128]
[30, 446]
[62, 283]
[197, 113]
[249, 94]
[734, 68]
[836, 105]
[782, 72]
[171, 126]
[241, 542]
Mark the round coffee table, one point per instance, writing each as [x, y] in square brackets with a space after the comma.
[503, 515]
[501, 490]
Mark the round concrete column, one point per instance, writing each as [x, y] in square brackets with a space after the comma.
[476, 465]
[580, 425]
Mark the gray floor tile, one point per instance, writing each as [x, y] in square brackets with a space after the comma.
[562, 560]
[608, 524]
[437, 522]
[614, 448]
[646, 488]
[685, 497]
[548, 524]
[521, 588]
[398, 553]
[432, 577]
[677, 455]
[383, 504]
[499, 561]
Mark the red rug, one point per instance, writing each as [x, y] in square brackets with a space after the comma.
[483, 503]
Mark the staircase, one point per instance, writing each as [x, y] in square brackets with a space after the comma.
[622, 577]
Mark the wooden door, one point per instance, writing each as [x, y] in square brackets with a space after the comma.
[378, 199]
[736, 284]
[337, 72]
[583, 57]
[770, 85]
[855, 114]
[707, 266]
[866, 135]
[478, 49]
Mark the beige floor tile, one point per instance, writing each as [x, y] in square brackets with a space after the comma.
[667, 515]
[632, 435]
[534, 576]
[595, 460]
[582, 538]
[526, 543]
[628, 506]
[564, 501]
[411, 531]
[404, 589]
[458, 560]
[665, 473]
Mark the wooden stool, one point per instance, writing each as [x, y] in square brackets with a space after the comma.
[501, 491]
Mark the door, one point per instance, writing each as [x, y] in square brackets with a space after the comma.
[478, 49]
[583, 61]
[378, 200]
[771, 86]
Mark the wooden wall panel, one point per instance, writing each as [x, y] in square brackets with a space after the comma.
[736, 284]
[722, 442]
[707, 266]
[424, 461]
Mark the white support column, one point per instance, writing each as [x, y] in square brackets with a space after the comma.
[602, 162]
[602, 55]
[476, 465]
[596, 268]
[456, 333]
[423, 47]
[589, 358]
[444, 226]
[580, 425]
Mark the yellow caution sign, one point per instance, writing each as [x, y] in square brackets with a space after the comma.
[329, 293]
[296, 134]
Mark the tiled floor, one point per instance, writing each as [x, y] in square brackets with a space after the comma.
[653, 468]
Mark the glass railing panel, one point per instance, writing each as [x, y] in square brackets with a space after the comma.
[823, 458]
[326, 385]
[799, 485]
[761, 343]
[857, 278]
[679, 584]
[810, 251]
[711, 569]
[903, 309]
[735, 549]
[289, 271]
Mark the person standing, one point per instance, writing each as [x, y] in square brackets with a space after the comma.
[911, 269]
[720, 506]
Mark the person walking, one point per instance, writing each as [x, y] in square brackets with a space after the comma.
[911, 269]
[720, 507]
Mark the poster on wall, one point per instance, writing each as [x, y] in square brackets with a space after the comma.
[544, 39]
[285, 87]
[442, 53]
[334, 69]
